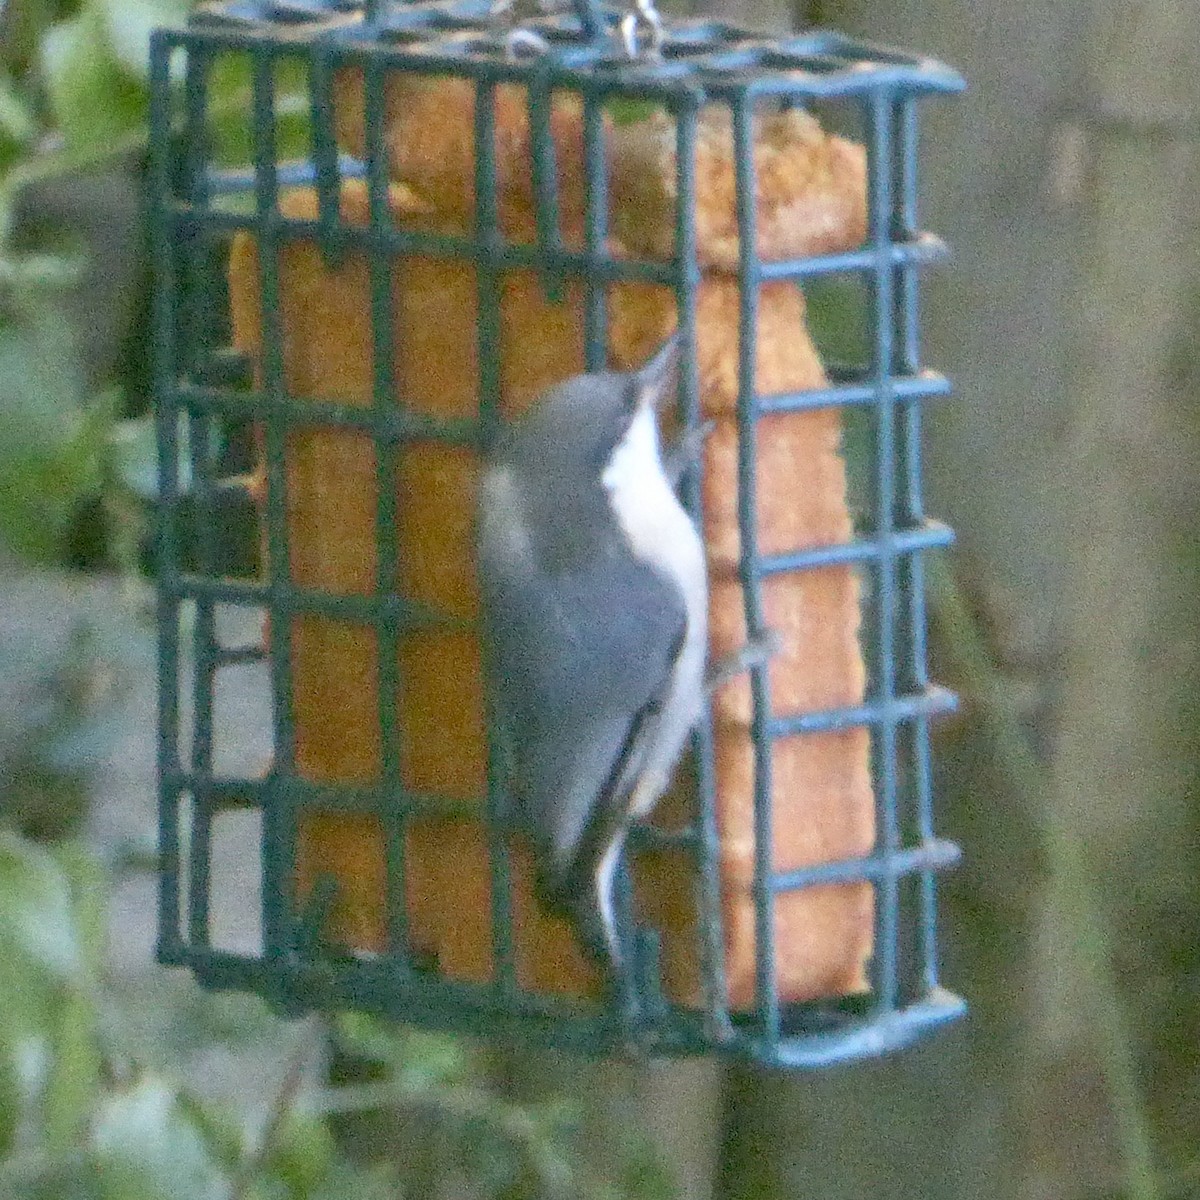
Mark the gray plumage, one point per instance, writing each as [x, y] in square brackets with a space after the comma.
[594, 596]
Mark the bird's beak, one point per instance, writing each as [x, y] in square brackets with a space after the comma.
[656, 377]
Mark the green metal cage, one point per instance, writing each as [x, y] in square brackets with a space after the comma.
[204, 394]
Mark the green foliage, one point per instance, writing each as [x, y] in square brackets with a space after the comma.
[74, 102]
[62, 443]
[92, 96]
[838, 319]
[64, 91]
[49, 454]
[99, 1095]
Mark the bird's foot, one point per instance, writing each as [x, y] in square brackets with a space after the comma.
[624, 1001]
[755, 653]
[686, 451]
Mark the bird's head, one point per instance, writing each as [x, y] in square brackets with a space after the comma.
[581, 427]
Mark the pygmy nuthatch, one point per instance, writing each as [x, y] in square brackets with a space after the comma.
[594, 594]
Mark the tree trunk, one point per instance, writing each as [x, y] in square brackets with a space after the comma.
[1066, 181]
[1119, 784]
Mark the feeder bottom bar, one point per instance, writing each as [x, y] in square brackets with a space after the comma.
[813, 1035]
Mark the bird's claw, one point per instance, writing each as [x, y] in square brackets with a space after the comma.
[755, 653]
[628, 1012]
[687, 450]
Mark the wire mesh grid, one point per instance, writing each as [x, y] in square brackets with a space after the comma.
[204, 389]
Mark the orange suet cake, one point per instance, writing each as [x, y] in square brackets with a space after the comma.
[811, 198]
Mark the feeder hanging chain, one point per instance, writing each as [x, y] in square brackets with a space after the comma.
[518, 41]
[642, 31]
[524, 43]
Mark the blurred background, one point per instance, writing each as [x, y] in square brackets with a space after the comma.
[1067, 180]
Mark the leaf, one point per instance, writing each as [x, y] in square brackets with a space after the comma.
[34, 274]
[39, 921]
[165, 1022]
[37, 498]
[644, 1174]
[163, 1019]
[626, 110]
[418, 1059]
[93, 97]
[135, 455]
[840, 326]
[11, 1099]
[489, 1153]
[49, 454]
[133, 445]
[303, 1154]
[129, 23]
[230, 104]
[25, 25]
[73, 1083]
[839, 320]
[17, 121]
[148, 1148]
[231, 101]
[48, 1053]
[41, 1176]
[222, 1129]
[858, 451]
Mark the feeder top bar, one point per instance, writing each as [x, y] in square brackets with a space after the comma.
[468, 35]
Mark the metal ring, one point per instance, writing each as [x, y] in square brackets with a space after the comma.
[524, 43]
[644, 20]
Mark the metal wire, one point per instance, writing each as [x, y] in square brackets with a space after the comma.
[642, 31]
[599, 54]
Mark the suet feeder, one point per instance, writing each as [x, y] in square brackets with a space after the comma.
[438, 213]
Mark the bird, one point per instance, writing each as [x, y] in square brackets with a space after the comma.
[594, 601]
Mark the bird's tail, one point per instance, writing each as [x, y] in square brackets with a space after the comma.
[583, 895]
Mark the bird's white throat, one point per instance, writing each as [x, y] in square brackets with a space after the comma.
[645, 505]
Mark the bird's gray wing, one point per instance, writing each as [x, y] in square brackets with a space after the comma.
[576, 663]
